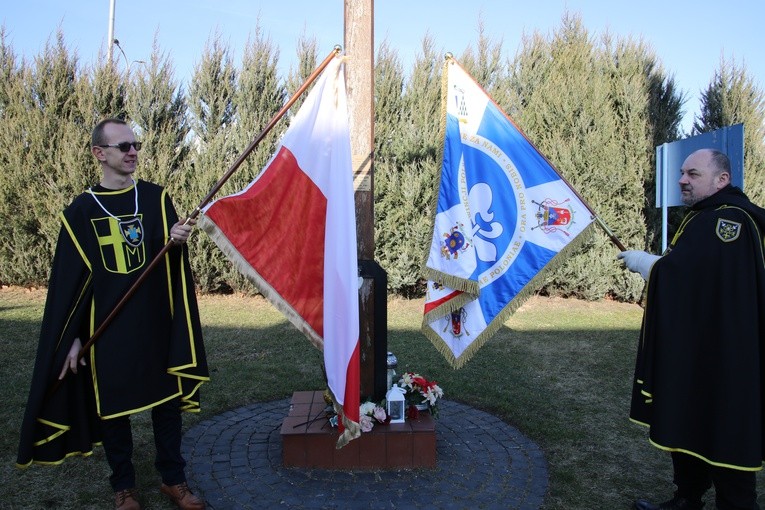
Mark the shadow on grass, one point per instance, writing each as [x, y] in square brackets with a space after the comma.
[561, 376]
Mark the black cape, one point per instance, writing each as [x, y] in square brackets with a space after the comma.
[151, 352]
[700, 372]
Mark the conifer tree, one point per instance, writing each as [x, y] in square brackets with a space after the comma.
[212, 120]
[406, 176]
[389, 107]
[15, 226]
[308, 58]
[584, 106]
[390, 243]
[107, 95]
[259, 96]
[732, 98]
[157, 107]
[52, 149]
[211, 105]
[10, 70]
[665, 114]
[486, 65]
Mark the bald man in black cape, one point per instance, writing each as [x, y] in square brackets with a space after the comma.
[150, 357]
[700, 373]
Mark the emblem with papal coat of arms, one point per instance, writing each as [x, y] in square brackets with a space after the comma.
[553, 216]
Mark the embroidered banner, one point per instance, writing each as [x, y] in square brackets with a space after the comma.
[503, 216]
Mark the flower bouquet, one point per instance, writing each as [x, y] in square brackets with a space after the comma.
[369, 414]
[420, 394]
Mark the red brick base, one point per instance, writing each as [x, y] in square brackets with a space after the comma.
[398, 445]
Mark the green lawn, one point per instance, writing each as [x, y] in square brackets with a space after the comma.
[560, 371]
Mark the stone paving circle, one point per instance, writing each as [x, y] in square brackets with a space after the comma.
[235, 462]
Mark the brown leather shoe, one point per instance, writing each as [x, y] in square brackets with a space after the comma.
[182, 496]
[126, 500]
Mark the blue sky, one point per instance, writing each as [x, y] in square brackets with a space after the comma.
[689, 37]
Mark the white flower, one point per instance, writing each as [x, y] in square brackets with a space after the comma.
[366, 423]
[367, 408]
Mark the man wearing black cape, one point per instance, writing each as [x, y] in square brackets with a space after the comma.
[700, 373]
[150, 357]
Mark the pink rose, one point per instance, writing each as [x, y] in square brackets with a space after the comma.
[379, 414]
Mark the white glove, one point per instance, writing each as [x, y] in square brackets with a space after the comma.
[638, 261]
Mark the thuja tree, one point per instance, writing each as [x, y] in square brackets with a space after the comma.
[10, 72]
[48, 161]
[259, 96]
[16, 227]
[665, 113]
[307, 60]
[157, 107]
[106, 92]
[389, 90]
[253, 95]
[406, 165]
[635, 64]
[732, 98]
[487, 66]
[577, 107]
[212, 119]
[210, 101]
[397, 250]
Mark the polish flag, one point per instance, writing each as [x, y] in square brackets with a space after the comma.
[292, 231]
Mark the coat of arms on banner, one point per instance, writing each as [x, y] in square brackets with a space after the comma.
[553, 216]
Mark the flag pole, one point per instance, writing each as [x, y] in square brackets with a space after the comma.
[233, 168]
[609, 233]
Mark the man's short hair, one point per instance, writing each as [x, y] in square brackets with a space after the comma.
[97, 137]
[720, 161]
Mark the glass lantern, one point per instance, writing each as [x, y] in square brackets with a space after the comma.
[396, 404]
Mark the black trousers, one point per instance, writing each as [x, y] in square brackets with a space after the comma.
[118, 446]
[734, 489]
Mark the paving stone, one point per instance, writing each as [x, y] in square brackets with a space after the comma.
[234, 460]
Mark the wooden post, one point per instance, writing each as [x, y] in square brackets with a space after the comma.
[359, 47]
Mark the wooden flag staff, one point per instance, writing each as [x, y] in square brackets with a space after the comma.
[206, 200]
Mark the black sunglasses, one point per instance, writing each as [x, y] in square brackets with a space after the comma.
[124, 146]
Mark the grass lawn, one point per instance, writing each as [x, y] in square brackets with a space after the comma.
[560, 371]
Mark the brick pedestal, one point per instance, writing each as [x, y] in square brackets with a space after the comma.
[398, 445]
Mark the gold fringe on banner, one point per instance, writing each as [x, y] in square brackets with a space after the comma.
[228, 249]
[352, 429]
[528, 290]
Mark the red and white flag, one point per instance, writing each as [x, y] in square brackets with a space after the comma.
[292, 231]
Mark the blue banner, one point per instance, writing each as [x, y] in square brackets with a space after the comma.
[503, 215]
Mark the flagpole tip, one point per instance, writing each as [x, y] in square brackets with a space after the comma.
[448, 55]
[338, 48]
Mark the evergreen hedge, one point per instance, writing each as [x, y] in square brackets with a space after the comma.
[596, 106]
